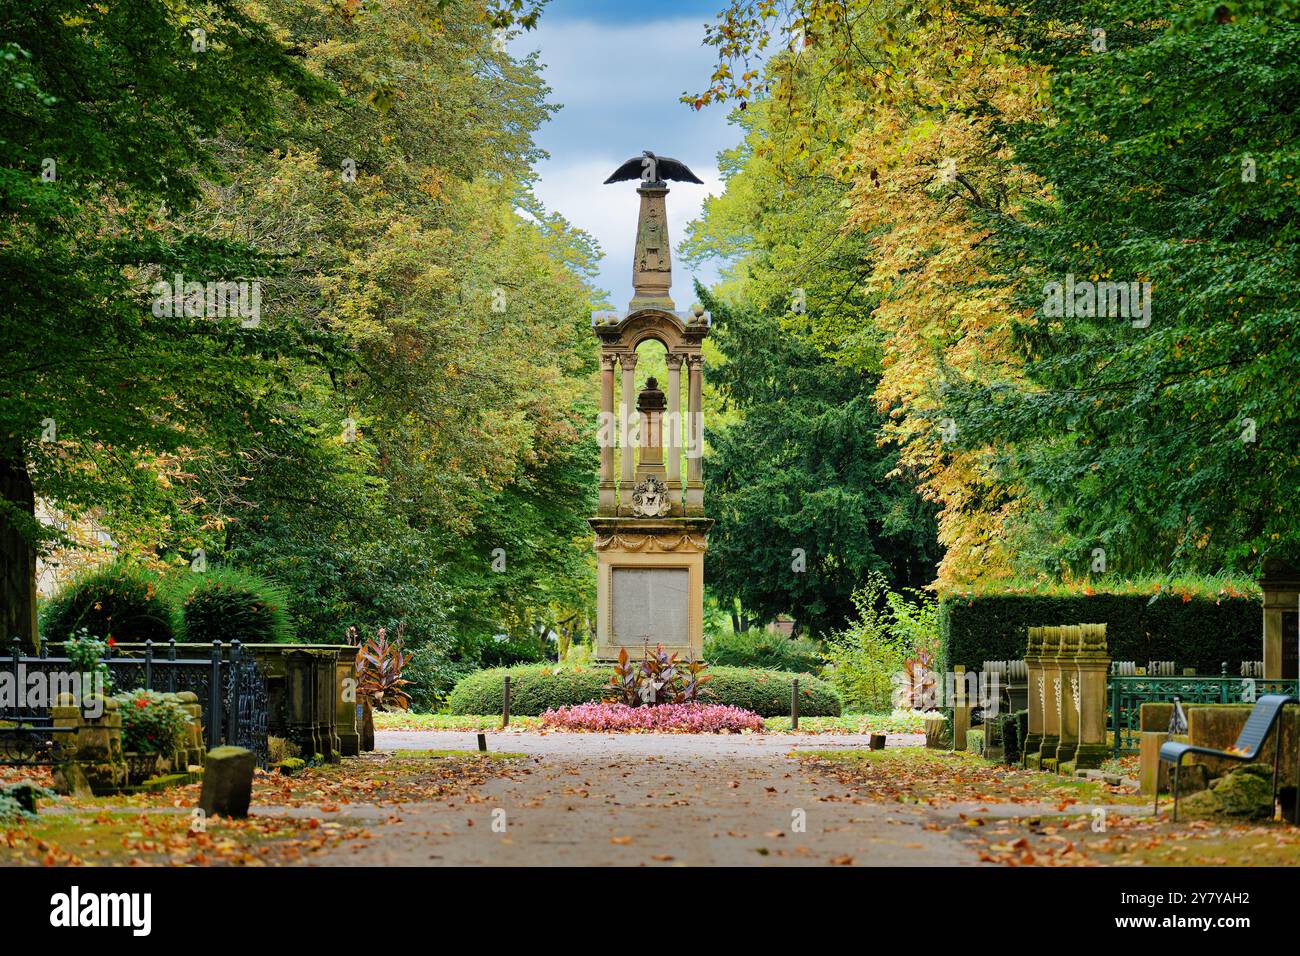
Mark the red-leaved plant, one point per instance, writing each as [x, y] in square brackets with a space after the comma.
[379, 671]
[661, 678]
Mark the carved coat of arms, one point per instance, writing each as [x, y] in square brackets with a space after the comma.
[650, 498]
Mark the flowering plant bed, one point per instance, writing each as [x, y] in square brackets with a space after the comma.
[660, 719]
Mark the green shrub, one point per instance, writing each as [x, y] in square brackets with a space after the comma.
[762, 649]
[975, 742]
[18, 801]
[536, 688]
[1009, 727]
[1195, 630]
[120, 600]
[432, 674]
[895, 632]
[226, 604]
[767, 693]
[151, 723]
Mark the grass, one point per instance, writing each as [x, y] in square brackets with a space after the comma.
[156, 828]
[398, 720]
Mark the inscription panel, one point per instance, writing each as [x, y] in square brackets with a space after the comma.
[650, 605]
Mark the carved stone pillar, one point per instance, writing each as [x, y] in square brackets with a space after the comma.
[673, 429]
[695, 435]
[627, 361]
[652, 267]
[1071, 696]
[607, 430]
[1033, 664]
[1051, 699]
[650, 405]
[1093, 666]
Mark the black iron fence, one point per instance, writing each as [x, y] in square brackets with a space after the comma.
[1128, 694]
[230, 687]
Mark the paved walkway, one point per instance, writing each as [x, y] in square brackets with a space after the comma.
[631, 799]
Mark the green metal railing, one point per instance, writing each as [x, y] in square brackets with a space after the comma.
[1128, 694]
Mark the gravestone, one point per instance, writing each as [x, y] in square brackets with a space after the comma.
[227, 782]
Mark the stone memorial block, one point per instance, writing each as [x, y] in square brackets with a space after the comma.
[227, 782]
[651, 606]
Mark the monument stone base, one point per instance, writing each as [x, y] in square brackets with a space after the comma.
[650, 585]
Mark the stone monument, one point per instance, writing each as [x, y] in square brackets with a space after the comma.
[650, 528]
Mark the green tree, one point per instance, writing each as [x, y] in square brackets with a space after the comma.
[799, 484]
[105, 111]
[1163, 435]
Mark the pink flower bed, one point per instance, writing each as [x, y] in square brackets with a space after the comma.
[658, 719]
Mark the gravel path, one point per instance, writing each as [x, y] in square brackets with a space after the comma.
[633, 799]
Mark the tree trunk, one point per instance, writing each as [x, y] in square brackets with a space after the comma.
[17, 553]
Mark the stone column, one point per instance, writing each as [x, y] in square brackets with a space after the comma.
[345, 704]
[627, 361]
[1281, 586]
[961, 708]
[1029, 747]
[1051, 696]
[695, 435]
[673, 437]
[1093, 666]
[608, 432]
[650, 406]
[652, 267]
[1068, 662]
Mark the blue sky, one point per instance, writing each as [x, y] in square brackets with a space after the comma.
[617, 69]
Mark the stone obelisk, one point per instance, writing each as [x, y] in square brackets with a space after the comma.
[650, 533]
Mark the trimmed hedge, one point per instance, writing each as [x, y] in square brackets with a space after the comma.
[756, 648]
[536, 688]
[1200, 632]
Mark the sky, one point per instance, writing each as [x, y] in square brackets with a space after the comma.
[617, 69]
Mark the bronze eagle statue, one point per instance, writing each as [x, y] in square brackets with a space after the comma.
[653, 170]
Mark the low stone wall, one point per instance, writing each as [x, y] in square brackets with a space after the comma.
[1217, 726]
[311, 691]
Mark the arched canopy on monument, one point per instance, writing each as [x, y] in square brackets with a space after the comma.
[669, 329]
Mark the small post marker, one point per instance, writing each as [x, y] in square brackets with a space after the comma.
[505, 702]
[482, 743]
[794, 704]
[877, 742]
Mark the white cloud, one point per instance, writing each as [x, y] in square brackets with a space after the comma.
[619, 87]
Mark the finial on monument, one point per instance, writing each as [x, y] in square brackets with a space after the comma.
[653, 170]
[652, 267]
